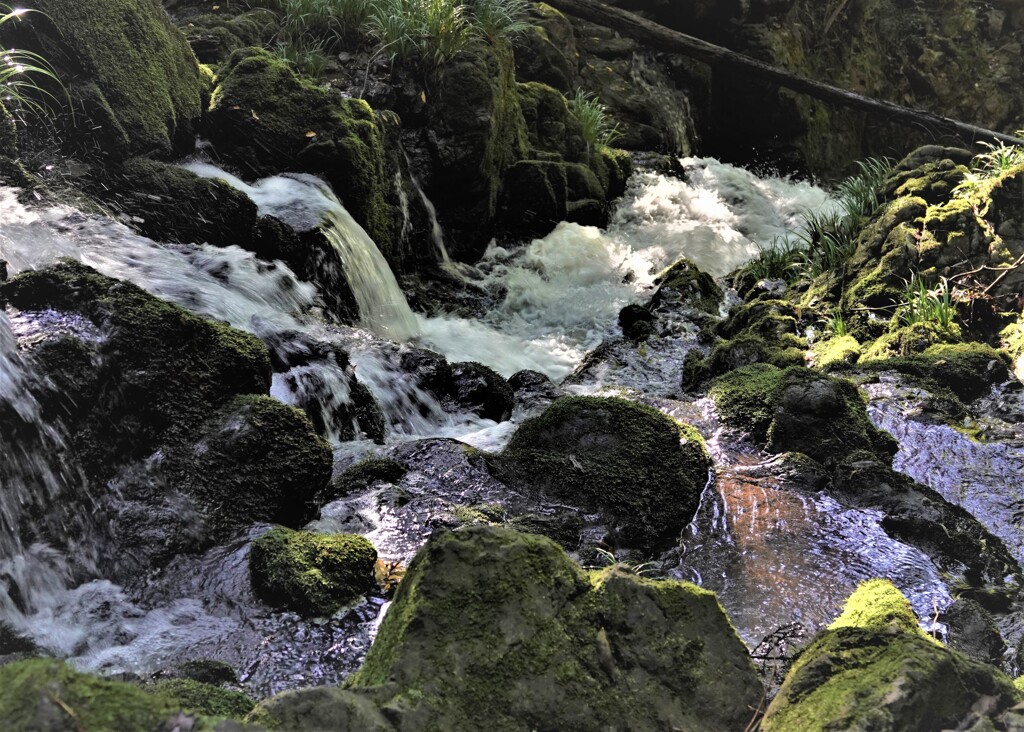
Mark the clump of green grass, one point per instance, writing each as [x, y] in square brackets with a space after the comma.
[20, 90]
[429, 32]
[777, 261]
[498, 21]
[988, 170]
[598, 126]
[923, 304]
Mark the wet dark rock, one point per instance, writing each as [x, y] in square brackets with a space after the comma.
[875, 669]
[207, 671]
[921, 517]
[533, 389]
[642, 470]
[14, 644]
[973, 632]
[431, 371]
[367, 472]
[312, 574]
[644, 654]
[482, 390]
[170, 204]
[637, 322]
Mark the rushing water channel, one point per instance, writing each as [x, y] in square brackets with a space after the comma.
[775, 552]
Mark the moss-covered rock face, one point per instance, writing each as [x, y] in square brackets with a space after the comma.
[134, 82]
[874, 669]
[207, 699]
[156, 374]
[799, 410]
[265, 119]
[44, 695]
[641, 468]
[365, 473]
[684, 282]
[312, 574]
[522, 639]
[967, 369]
[256, 460]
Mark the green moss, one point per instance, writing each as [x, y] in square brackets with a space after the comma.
[836, 351]
[41, 695]
[312, 574]
[641, 468]
[265, 119]
[799, 410]
[1012, 338]
[877, 605]
[911, 339]
[966, 369]
[367, 472]
[521, 638]
[255, 460]
[206, 699]
[685, 281]
[875, 669]
[136, 84]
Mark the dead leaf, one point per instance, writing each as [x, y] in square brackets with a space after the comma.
[311, 134]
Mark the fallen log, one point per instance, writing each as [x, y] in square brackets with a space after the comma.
[658, 36]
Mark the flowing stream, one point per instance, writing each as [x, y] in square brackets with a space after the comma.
[776, 552]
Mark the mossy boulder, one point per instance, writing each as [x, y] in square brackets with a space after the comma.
[967, 369]
[799, 410]
[874, 669]
[45, 695]
[255, 459]
[206, 699]
[265, 119]
[521, 638]
[685, 283]
[643, 470]
[367, 472]
[836, 352]
[158, 372]
[170, 204]
[746, 349]
[135, 84]
[312, 574]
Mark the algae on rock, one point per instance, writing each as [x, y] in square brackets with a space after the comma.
[875, 669]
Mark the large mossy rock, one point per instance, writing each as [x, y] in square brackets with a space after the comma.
[135, 84]
[644, 471]
[265, 119]
[44, 695]
[158, 371]
[257, 460]
[312, 574]
[874, 669]
[493, 629]
[799, 410]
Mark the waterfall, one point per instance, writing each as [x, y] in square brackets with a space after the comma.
[436, 232]
[383, 308]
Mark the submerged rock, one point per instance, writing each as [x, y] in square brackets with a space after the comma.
[521, 638]
[641, 469]
[312, 574]
[874, 669]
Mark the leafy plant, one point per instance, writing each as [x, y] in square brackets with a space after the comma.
[498, 21]
[598, 126]
[922, 304]
[19, 91]
[835, 324]
[429, 32]
[777, 260]
[858, 194]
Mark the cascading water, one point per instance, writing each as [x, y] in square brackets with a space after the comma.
[561, 297]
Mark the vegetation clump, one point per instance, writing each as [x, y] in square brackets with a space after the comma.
[206, 699]
[312, 574]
